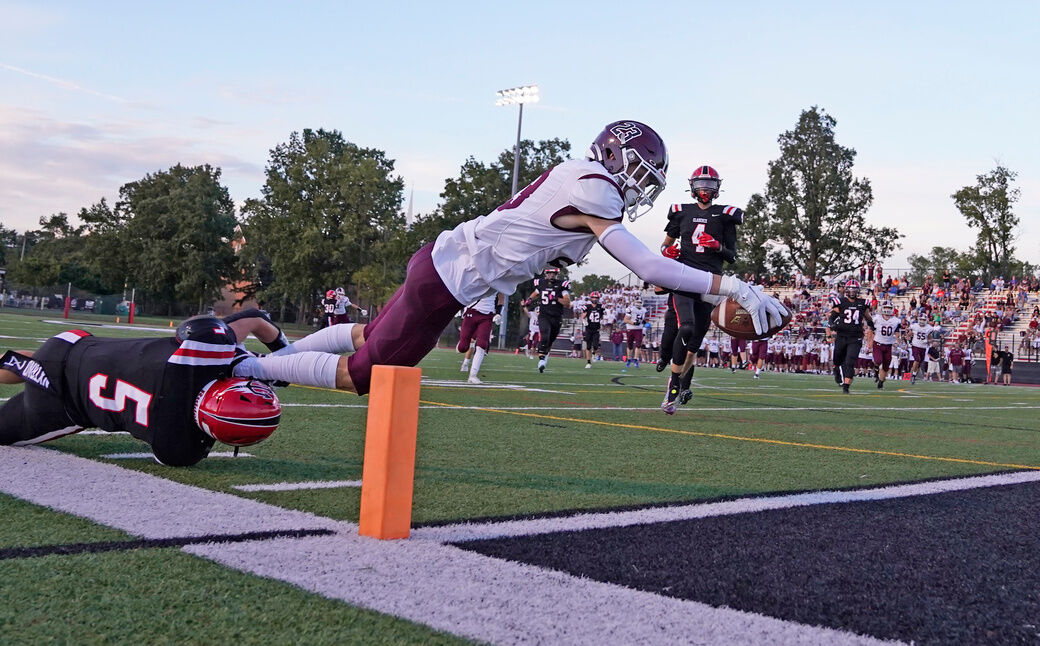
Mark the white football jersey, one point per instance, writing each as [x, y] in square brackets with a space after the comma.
[713, 346]
[637, 315]
[485, 305]
[498, 251]
[920, 334]
[885, 329]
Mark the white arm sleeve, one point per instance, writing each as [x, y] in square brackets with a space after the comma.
[651, 267]
[307, 368]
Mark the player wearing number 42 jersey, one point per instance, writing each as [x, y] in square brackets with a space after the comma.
[846, 322]
[885, 329]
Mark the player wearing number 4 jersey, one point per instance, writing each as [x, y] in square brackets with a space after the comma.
[846, 322]
[885, 329]
[706, 234]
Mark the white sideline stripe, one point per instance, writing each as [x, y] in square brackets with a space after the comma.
[95, 431]
[575, 409]
[139, 456]
[447, 383]
[449, 589]
[113, 326]
[474, 531]
[293, 486]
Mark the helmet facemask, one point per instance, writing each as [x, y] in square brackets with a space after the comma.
[705, 190]
[640, 183]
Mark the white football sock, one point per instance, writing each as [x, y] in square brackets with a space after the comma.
[478, 358]
[306, 368]
[335, 339]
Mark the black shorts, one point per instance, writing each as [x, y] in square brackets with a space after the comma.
[592, 339]
[38, 414]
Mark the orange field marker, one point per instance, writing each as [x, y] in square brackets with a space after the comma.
[389, 469]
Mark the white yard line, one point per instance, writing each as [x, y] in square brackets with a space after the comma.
[576, 409]
[148, 456]
[295, 486]
[460, 592]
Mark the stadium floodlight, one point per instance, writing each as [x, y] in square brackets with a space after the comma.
[514, 96]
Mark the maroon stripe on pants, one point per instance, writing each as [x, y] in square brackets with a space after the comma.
[409, 325]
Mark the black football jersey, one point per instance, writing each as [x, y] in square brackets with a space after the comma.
[848, 315]
[329, 305]
[686, 222]
[594, 316]
[144, 386]
[550, 291]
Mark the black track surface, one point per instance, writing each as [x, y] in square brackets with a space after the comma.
[954, 568]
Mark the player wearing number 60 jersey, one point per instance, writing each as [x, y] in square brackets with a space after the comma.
[885, 328]
[846, 322]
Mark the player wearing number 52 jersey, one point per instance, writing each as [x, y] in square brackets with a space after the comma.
[846, 321]
[885, 328]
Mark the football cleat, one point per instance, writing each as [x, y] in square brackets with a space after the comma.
[845, 389]
[685, 397]
[661, 364]
[913, 378]
[837, 376]
[880, 385]
[465, 367]
[668, 407]
[473, 379]
[541, 365]
[588, 365]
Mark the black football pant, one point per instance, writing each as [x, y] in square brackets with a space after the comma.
[694, 318]
[548, 329]
[669, 332]
[37, 414]
[846, 351]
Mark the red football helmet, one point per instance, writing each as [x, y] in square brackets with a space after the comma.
[237, 411]
[852, 288]
[330, 294]
[704, 184]
[594, 297]
[637, 158]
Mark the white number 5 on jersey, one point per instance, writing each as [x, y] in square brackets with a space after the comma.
[123, 392]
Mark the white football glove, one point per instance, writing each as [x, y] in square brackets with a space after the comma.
[364, 312]
[766, 312]
[497, 319]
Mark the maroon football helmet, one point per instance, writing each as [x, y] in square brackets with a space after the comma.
[237, 411]
[637, 158]
[704, 184]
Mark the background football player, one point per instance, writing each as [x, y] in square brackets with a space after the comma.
[593, 317]
[552, 295]
[477, 322]
[707, 236]
[886, 329]
[920, 333]
[635, 316]
[846, 322]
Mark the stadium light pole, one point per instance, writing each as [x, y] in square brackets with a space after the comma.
[514, 96]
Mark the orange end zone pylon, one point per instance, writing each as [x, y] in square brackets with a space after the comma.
[389, 469]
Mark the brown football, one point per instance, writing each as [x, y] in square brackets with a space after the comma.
[735, 321]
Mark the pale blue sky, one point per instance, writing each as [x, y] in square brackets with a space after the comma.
[930, 94]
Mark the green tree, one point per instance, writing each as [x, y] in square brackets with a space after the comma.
[592, 283]
[57, 256]
[329, 215]
[813, 209]
[178, 229]
[987, 207]
[939, 260]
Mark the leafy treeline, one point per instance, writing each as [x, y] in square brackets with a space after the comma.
[330, 215]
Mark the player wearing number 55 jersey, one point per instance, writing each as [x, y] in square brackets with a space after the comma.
[846, 322]
[885, 328]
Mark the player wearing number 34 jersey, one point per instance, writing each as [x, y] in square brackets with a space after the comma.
[846, 321]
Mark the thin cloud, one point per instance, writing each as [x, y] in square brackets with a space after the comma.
[68, 85]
